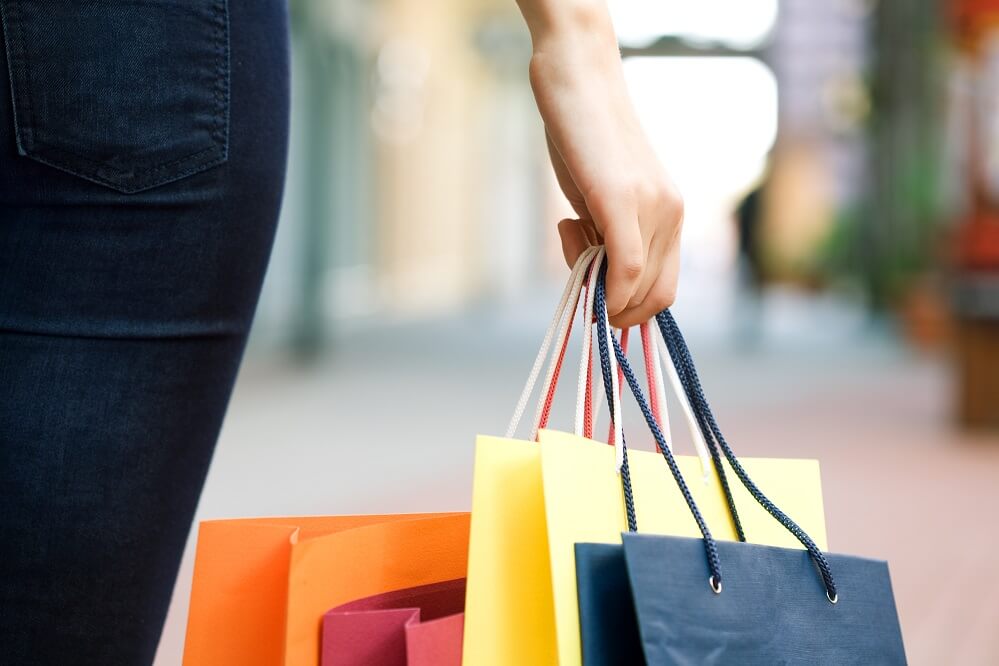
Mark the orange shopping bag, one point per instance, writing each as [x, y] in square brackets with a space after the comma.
[262, 585]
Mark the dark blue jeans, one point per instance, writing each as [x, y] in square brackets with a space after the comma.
[142, 158]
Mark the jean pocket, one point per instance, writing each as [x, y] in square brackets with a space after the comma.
[130, 94]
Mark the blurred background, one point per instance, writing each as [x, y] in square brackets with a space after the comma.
[840, 281]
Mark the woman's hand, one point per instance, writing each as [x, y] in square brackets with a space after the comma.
[602, 159]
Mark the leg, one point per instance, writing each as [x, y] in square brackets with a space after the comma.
[123, 318]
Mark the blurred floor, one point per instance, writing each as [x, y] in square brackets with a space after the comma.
[388, 424]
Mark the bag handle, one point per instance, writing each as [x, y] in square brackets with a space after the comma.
[655, 355]
[558, 333]
[560, 326]
[676, 345]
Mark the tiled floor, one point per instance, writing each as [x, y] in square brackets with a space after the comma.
[388, 423]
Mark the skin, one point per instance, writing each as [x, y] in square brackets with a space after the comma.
[620, 192]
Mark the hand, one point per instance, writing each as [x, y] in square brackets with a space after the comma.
[604, 163]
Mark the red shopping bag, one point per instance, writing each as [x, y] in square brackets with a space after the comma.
[418, 626]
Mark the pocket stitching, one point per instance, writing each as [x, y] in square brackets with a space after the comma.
[15, 72]
[139, 183]
[144, 176]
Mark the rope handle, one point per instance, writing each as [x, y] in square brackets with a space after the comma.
[575, 278]
[586, 412]
[582, 280]
[654, 354]
[654, 378]
[581, 286]
[677, 347]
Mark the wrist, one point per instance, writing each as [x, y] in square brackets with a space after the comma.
[570, 24]
[569, 60]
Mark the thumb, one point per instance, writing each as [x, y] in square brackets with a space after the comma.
[574, 240]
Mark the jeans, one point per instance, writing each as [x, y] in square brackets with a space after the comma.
[142, 159]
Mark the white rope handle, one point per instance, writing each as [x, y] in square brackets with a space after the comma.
[569, 313]
[587, 352]
[575, 279]
[695, 430]
[660, 388]
[655, 381]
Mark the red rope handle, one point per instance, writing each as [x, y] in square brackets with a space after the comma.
[546, 410]
[650, 373]
[647, 352]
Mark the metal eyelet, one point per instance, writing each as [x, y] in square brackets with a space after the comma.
[832, 599]
[716, 586]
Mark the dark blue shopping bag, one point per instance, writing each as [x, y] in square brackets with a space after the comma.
[607, 622]
[773, 605]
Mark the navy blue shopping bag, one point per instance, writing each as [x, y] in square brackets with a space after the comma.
[771, 606]
[607, 623]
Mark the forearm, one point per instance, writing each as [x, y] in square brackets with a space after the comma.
[577, 79]
[603, 162]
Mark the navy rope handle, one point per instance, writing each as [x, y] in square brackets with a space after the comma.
[671, 332]
[605, 369]
[600, 305]
[675, 341]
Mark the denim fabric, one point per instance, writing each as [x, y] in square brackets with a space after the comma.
[142, 158]
[128, 94]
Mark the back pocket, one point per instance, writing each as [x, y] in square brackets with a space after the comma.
[127, 93]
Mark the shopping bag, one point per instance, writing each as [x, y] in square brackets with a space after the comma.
[509, 618]
[261, 585]
[532, 502]
[419, 626]
[608, 625]
[773, 604]
[436, 643]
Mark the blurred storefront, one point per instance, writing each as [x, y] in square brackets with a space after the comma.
[975, 107]
[419, 184]
[413, 183]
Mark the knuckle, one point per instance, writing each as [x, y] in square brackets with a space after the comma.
[671, 209]
[671, 202]
[632, 267]
[664, 298]
[677, 206]
[610, 194]
[666, 204]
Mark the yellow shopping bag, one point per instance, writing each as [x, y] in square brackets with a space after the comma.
[509, 612]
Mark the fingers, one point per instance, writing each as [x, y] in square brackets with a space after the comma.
[654, 260]
[660, 296]
[591, 232]
[642, 276]
[617, 219]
